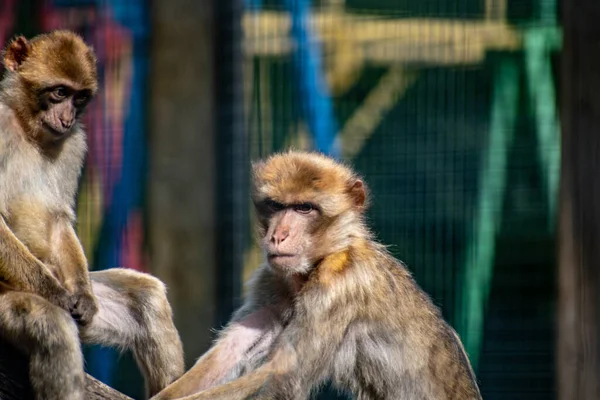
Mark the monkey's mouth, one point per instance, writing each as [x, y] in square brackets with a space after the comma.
[54, 131]
[280, 256]
[286, 263]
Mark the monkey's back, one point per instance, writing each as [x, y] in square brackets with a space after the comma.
[401, 337]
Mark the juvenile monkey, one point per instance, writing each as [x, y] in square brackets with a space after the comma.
[47, 299]
[330, 303]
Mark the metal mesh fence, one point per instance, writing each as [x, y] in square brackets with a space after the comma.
[448, 110]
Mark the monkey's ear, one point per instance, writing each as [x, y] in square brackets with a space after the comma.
[358, 193]
[16, 53]
[257, 166]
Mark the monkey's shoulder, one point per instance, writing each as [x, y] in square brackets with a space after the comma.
[368, 259]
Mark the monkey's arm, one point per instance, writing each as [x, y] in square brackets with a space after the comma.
[303, 353]
[245, 336]
[69, 257]
[21, 270]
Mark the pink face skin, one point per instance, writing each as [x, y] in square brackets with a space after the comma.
[287, 241]
[61, 106]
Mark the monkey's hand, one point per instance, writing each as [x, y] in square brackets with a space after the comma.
[69, 257]
[56, 294]
[83, 307]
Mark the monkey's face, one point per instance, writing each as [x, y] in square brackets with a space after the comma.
[308, 207]
[60, 108]
[287, 239]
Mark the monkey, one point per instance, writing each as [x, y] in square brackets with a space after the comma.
[330, 303]
[49, 301]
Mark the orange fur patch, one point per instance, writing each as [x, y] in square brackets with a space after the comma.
[333, 265]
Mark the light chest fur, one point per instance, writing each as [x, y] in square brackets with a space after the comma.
[35, 188]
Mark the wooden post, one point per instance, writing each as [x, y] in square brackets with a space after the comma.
[232, 153]
[181, 214]
[578, 345]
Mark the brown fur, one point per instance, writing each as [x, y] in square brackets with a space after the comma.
[339, 307]
[32, 66]
[45, 62]
[43, 270]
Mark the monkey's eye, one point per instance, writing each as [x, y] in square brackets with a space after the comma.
[59, 93]
[80, 99]
[303, 208]
[274, 206]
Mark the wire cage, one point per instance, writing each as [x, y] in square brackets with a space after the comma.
[447, 108]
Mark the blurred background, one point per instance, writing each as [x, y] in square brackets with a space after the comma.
[450, 110]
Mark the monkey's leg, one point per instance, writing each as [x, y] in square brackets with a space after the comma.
[49, 337]
[134, 314]
[22, 271]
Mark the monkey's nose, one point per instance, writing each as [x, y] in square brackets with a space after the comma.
[279, 236]
[66, 123]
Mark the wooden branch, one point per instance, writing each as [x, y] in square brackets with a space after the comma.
[97, 390]
[14, 379]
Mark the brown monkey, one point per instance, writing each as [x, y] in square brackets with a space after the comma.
[330, 303]
[44, 279]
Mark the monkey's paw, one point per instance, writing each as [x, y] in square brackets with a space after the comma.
[59, 297]
[83, 307]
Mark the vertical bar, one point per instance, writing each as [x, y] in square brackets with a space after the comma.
[232, 164]
[578, 344]
[181, 197]
[316, 104]
[477, 275]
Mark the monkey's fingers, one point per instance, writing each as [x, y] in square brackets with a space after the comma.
[83, 308]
